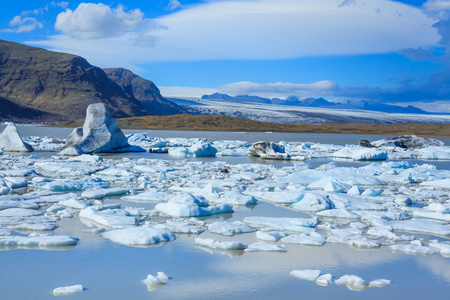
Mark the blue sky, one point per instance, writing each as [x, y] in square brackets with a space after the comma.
[377, 50]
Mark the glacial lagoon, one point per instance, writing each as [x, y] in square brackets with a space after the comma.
[110, 270]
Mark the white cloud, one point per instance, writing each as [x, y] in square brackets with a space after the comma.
[20, 24]
[93, 21]
[279, 89]
[174, 4]
[178, 91]
[250, 29]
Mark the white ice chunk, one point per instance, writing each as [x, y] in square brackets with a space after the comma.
[271, 236]
[148, 196]
[422, 226]
[361, 153]
[185, 210]
[325, 279]
[11, 141]
[264, 246]
[39, 241]
[284, 224]
[353, 282]
[139, 236]
[310, 275]
[20, 212]
[75, 185]
[229, 228]
[216, 245]
[379, 282]
[413, 249]
[444, 249]
[73, 203]
[338, 213]
[68, 290]
[102, 193]
[313, 202]
[441, 183]
[284, 197]
[307, 239]
[115, 218]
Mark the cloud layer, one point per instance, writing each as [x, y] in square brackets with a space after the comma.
[248, 29]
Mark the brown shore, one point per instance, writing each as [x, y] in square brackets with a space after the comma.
[222, 123]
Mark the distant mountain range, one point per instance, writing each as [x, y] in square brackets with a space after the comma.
[38, 85]
[318, 102]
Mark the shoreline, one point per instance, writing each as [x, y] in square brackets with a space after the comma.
[226, 124]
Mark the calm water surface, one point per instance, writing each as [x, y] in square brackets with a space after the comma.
[111, 271]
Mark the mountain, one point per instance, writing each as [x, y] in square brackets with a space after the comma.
[63, 85]
[319, 102]
[143, 90]
[10, 111]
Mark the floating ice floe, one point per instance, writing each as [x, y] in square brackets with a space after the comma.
[353, 282]
[283, 224]
[149, 196]
[98, 134]
[104, 192]
[76, 184]
[200, 149]
[38, 241]
[413, 249]
[68, 290]
[306, 239]
[271, 236]
[265, 246]
[310, 275]
[113, 218]
[268, 150]
[409, 142]
[180, 227]
[11, 141]
[444, 249]
[155, 282]
[139, 236]
[189, 210]
[434, 227]
[361, 153]
[216, 245]
[229, 228]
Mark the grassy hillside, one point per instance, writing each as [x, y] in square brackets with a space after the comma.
[221, 123]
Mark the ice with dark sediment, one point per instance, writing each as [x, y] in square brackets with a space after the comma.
[99, 133]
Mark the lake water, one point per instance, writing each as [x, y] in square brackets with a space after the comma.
[112, 271]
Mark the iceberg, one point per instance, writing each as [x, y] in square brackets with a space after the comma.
[11, 141]
[99, 133]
